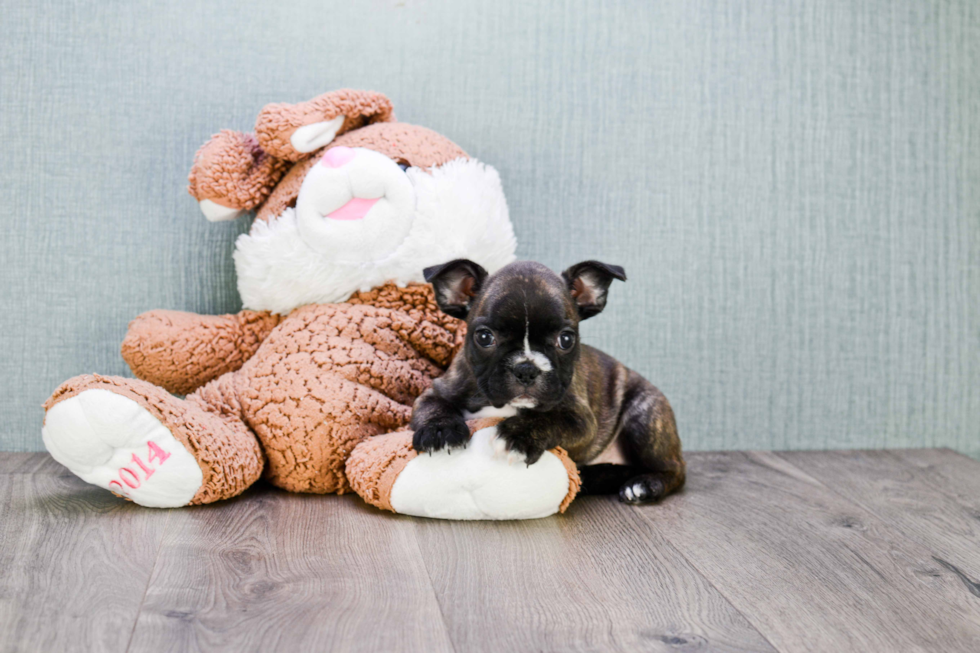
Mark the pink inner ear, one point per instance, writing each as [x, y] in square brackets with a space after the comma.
[582, 293]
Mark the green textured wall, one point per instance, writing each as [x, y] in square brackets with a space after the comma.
[794, 188]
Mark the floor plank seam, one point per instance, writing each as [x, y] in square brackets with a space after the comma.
[149, 580]
[432, 587]
[711, 583]
[857, 502]
[757, 626]
[818, 482]
[931, 481]
[972, 587]
[836, 492]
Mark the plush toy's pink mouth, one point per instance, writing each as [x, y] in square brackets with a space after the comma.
[355, 209]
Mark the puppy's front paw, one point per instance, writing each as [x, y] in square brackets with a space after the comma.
[441, 432]
[514, 440]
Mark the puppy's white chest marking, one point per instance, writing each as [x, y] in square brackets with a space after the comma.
[490, 411]
[505, 411]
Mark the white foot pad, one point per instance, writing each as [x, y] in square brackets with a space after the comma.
[474, 483]
[111, 441]
[500, 451]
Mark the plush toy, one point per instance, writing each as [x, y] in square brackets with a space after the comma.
[337, 339]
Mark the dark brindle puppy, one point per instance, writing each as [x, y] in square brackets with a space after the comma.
[523, 360]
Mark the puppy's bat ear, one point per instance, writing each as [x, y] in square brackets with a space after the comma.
[456, 284]
[588, 282]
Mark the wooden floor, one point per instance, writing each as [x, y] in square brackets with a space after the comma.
[841, 551]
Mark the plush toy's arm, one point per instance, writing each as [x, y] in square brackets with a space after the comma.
[417, 319]
[182, 351]
[292, 131]
[233, 174]
[472, 483]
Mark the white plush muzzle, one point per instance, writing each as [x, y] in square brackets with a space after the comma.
[325, 208]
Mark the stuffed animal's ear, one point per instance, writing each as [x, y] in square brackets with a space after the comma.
[292, 131]
[232, 174]
[588, 282]
[456, 284]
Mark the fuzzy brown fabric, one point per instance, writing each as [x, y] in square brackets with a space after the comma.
[277, 122]
[574, 479]
[375, 464]
[180, 352]
[233, 170]
[227, 452]
[320, 381]
[263, 171]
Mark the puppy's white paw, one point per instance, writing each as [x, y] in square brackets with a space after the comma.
[628, 493]
[111, 441]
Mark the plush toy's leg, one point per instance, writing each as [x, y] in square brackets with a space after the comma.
[138, 441]
[469, 483]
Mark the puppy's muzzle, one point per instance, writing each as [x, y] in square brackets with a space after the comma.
[526, 372]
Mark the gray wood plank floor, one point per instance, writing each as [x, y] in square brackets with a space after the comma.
[802, 551]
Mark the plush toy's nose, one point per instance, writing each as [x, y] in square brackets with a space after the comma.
[338, 156]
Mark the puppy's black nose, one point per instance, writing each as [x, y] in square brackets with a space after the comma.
[526, 372]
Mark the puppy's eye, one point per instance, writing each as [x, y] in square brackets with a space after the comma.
[484, 338]
[566, 340]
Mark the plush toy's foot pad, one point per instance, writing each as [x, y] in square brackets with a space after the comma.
[469, 483]
[112, 441]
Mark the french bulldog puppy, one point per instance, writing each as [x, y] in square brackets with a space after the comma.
[523, 360]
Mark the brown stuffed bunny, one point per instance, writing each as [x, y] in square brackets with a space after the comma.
[350, 206]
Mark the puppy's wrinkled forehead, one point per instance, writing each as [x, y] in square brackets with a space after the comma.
[527, 292]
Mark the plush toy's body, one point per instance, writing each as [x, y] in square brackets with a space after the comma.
[291, 385]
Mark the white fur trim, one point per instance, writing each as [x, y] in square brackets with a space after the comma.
[312, 137]
[460, 212]
[471, 483]
[215, 212]
[100, 436]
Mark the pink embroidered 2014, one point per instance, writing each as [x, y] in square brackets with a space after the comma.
[130, 478]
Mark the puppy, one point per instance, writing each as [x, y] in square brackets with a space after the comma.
[523, 360]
